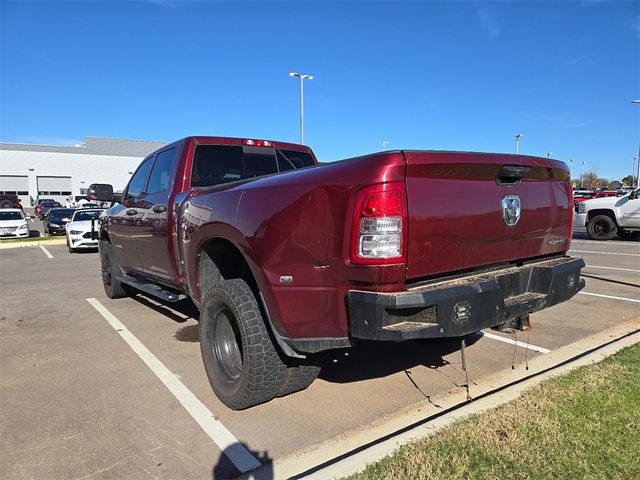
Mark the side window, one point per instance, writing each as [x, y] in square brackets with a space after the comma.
[161, 173]
[290, 159]
[215, 164]
[139, 179]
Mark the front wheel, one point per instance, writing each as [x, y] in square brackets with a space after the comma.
[601, 227]
[241, 362]
[113, 287]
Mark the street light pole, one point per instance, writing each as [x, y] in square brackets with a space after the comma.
[383, 144]
[570, 170]
[517, 137]
[548, 154]
[582, 176]
[302, 78]
[637, 169]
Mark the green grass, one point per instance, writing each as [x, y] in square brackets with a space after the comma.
[585, 424]
[30, 239]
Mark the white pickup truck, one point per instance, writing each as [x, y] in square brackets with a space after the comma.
[607, 217]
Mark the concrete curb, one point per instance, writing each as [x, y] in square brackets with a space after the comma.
[34, 243]
[352, 451]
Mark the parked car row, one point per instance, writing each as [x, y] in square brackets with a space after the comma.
[583, 196]
[75, 224]
[43, 205]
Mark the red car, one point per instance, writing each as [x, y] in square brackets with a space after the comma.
[597, 194]
[9, 200]
[43, 205]
[285, 258]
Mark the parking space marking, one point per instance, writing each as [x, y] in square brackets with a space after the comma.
[610, 296]
[46, 252]
[607, 253]
[614, 268]
[223, 438]
[513, 342]
[591, 242]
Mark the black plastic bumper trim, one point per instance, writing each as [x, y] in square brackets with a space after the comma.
[465, 305]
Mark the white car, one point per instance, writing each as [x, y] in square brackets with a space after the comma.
[610, 216]
[13, 224]
[79, 229]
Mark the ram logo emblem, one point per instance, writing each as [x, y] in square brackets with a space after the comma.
[511, 210]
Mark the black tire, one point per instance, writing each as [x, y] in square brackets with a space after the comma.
[242, 363]
[628, 234]
[601, 227]
[298, 378]
[6, 204]
[113, 287]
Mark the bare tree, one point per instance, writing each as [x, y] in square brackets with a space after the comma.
[590, 179]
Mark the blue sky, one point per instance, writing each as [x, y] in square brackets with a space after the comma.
[423, 75]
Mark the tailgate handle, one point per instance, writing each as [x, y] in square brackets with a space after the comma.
[511, 174]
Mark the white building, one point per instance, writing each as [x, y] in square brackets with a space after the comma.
[61, 172]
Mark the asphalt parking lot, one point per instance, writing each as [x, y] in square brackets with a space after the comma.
[78, 402]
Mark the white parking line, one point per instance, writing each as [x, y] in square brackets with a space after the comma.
[610, 296]
[614, 268]
[607, 253]
[46, 252]
[513, 342]
[223, 438]
[609, 242]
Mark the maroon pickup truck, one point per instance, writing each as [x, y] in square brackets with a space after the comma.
[285, 257]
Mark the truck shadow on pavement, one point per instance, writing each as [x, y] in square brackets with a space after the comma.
[380, 359]
[367, 360]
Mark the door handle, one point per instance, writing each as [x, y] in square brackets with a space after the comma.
[159, 208]
[131, 211]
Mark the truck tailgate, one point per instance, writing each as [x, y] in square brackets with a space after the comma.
[456, 212]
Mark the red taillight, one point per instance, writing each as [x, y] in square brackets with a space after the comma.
[385, 203]
[379, 230]
[258, 143]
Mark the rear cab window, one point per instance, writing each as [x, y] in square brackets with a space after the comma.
[218, 164]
